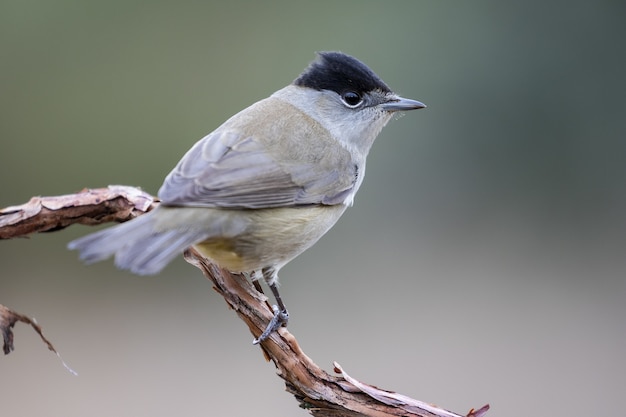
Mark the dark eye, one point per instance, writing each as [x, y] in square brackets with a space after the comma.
[351, 98]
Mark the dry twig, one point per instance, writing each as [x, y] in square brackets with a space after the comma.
[319, 392]
[116, 203]
[8, 318]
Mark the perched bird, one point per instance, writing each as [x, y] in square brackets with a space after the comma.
[266, 184]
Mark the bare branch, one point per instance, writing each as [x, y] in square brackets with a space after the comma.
[116, 203]
[316, 390]
[322, 394]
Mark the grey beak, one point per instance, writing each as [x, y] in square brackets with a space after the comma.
[402, 104]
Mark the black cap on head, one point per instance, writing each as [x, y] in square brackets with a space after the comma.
[340, 73]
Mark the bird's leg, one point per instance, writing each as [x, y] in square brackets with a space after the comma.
[281, 316]
[257, 286]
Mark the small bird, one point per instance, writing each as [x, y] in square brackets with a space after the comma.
[265, 185]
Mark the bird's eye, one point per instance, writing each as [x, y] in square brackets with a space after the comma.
[351, 99]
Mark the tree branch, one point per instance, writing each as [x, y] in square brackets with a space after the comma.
[316, 390]
[116, 203]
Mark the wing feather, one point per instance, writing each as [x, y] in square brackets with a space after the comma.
[236, 169]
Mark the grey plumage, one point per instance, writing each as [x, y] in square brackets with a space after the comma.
[266, 184]
[252, 161]
[137, 245]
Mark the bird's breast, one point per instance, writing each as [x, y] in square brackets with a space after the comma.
[273, 237]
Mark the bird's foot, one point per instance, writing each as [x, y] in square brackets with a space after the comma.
[281, 317]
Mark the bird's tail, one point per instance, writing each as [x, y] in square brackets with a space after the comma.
[137, 245]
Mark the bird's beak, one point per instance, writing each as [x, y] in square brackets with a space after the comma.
[397, 103]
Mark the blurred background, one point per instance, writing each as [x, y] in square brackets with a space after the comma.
[483, 262]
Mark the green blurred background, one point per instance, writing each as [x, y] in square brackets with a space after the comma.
[484, 260]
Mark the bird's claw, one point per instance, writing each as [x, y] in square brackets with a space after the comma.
[281, 317]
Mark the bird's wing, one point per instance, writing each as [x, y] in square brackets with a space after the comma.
[228, 168]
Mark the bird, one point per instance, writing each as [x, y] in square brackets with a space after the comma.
[265, 185]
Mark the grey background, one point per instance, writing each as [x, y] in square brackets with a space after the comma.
[483, 260]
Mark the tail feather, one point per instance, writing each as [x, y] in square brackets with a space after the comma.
[136, 244]
[158, 251]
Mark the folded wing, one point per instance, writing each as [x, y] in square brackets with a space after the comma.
[230, 169]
